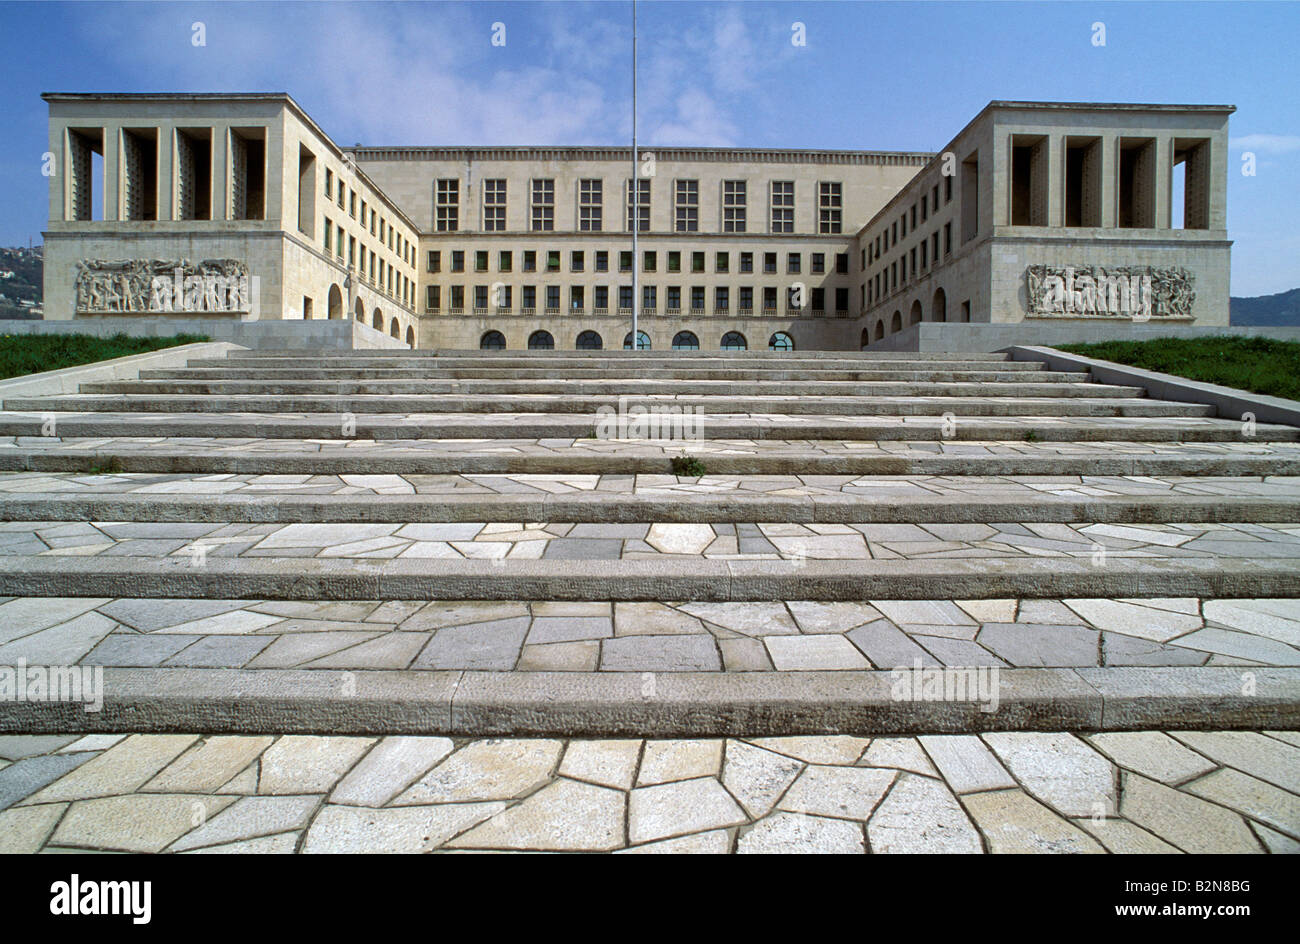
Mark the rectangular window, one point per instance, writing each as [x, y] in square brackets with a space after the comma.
[830, 205]
[457, 298]
[818, 299]
[552, 260]
[746, 262]
[688, 206]
[818, 263]
[769, 298]
[329, 231]
[674, 298]
[642, 205]
[746, 299]
[529, 297]
[589, 205]
[649, 298]
[733, 206]
[543, 205]
[447, 206]
[352, 205]
[577, 299]
[721, 299]
[649, 261]
[577, 261]
[947, 239]
[552, 298]
[841, 299]
[505, 260]
[793, 263]
[842, 263]
[432, 297]
[625, 297]
[925, 199]
[480, 296]
[783, 206]
[481, 260]
[329, 184]
[769, 263]
[602, 260]
[674, 261]
[697, 299]
[625, 260]
[601, 297]
[722, 262]
[697, 262]
[494, 205]
[530, 260]
[435, 261]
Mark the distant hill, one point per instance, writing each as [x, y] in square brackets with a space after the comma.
[1271, 310]
[20, 281]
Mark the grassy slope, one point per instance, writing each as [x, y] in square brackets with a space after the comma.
[33, 353]
[1259, 365]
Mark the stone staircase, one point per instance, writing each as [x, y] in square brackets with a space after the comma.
[468, 544]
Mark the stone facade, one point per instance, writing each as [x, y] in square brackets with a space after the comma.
[469, 247]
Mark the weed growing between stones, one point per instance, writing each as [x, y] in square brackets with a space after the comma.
[687, 466]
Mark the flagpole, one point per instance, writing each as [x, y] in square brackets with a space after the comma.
[635, 194]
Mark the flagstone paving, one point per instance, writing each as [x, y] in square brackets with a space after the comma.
[1140, 791]
[757, 636]
[631, 541]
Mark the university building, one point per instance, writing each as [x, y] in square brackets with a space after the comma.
[240, 206]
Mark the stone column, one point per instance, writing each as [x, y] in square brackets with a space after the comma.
[1109, 181]
[112, 190]
[167, 172]
[1164, 181]
[1055, 180]
[220, 171]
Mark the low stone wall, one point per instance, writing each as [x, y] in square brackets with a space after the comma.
[336, 334]
[68, 380]
[947, 337]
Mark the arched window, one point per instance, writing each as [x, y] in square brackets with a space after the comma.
[492, 341]
[939, 308]
[866, 339]
[410, 337]
[395, 329]
[915, 316]
[880, 329]
[896, 323]
[685, 341]
[734, 341]
[378, 321]
[541, 341]
[642, 341]
[781, 342]
[335, 302]
[361, 312]
[589, 341]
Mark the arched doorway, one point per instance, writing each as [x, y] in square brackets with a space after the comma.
[395, 330]
[880, 329]
[915, 316]
[896, 322]
[360, 311]
[939, 307]
[410, 338]
[866, 339]
[336, 302]
[377, 320]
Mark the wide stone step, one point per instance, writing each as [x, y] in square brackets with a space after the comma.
[502, 426]
[176, 499]
[273, 369]
[207, 380]
[759, 360]
[654, 578]
[668, 408]
[567, 457]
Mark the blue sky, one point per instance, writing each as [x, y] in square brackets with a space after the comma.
[897, 76]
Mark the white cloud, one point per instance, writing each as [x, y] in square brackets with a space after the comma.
[1268, 143]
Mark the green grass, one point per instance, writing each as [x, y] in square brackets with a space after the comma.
[687, 466]
[32, 353]
[1260, 365]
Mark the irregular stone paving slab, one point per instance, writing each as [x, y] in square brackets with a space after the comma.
[550, 794]
[1152, 754]
[921, 815]
[566, 815]
[1059, 769]
[793, 833]
[1013, 822]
